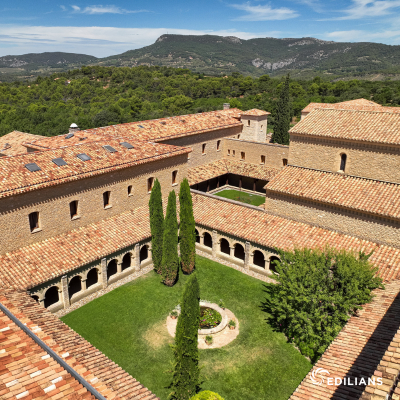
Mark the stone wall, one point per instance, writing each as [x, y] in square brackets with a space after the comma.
[210, 140]
[254, 128]
[359, 224]
[274, 153]
[378, 162]
[52, 203]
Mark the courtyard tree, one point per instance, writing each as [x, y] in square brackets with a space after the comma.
[185, 382]
[318, 292]
[282, 116]
[187, 232]
[170, 259]
[156, 225]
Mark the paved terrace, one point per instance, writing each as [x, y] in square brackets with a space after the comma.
[28, 372]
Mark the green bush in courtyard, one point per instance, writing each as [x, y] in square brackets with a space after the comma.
[185, 381]
[207, 395]
[317, 293]
[187, 232]
[170, 259]
[156, 225]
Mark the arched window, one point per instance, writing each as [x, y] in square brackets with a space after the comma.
[51, 296]
[259, 259]
[144, 253]
[111, 268]
[197, 236]
[239, 251]
[272, 263]
[92, 277]
[224, 247]
[207, 240]
[343, 159]
[106, 199]
[126, 261]
[74, 286]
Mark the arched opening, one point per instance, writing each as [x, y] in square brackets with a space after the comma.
[197, 236]
[51, 296]
[126, 261]
[111, 268]
[272, 263]
[225, 248]
[92, 277]
[207, 240]
[74, 286]
[239, 251]
[144, 253]
[343, 159]
[259, 259]
[36, 298]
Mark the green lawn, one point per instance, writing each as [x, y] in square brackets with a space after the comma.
[127, 325]
[244, 197]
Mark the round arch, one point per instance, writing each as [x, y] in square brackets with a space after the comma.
[51, 296]
[259, 259]
[239, 251]
[144, 253]
[75, 285]
[112, 268]
[207, 240]
[272, 263]
[126, 261]
[224, 246]
[92, 277]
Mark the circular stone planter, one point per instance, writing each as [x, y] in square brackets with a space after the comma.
[222, 334]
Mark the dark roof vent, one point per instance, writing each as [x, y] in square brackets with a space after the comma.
[163, 123]
[69, 136]
[83, 157]
[110, 149]
[33, 167]
[127, 145]
[140, 126]
[59, 161]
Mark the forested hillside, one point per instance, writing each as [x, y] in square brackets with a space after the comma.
[99, 96]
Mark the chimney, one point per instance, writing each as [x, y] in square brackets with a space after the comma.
[226, 106]
[73, 128]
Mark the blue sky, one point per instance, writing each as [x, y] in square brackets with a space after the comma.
[103, 29]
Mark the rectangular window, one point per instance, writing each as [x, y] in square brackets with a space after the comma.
[242, 155]
[130, 190]
[106, 199]
[73, 208]
[233, 153]
[203, 148]
[34, 221]
[262, 159]
[218, 145]
[150, 184]
[229, 152]
[284, 162]
[174, 174]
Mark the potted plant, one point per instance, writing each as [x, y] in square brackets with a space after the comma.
[232, 324]
[209, 340]
[174, 314]
[221, 304]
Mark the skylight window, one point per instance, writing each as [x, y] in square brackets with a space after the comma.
[69, 136]
[110, 149]
[59, 162]
[83, 157]
[33, 167]
[127, 145]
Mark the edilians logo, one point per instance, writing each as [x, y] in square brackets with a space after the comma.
[320, 376]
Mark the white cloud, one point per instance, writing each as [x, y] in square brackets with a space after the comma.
[105, 10]
[94, 40]
[63, 8]
[314, 4]
[363, 36]
[369, 9]
[263, 13]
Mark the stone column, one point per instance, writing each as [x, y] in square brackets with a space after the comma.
[232, 251]
[133, 261]
[83, 284]
[104, 272]
[119, 267]
[137, 256]
[64, 291]
[240, 183]
[218, 183]
[202, 240]
[214, 243]
[208, 186]
[247, 256]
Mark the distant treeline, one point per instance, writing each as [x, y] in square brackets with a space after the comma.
[99, 96]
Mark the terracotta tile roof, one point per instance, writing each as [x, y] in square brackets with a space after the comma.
[255, 112]
[11, 143]
[366, 126]
[272, 231]
[55, 142]
[217, 168]
[343, 190]
[367, 346]
[173, 127]
[16, 178]
[37, 263]
[359, 104]
[28, 372]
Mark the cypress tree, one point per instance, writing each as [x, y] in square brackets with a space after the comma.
[187, 232]
[156, 225]
[185, 381]
[282, 116]
[170, 259]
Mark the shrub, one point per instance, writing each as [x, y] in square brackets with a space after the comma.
[316, 294]
[209, 318]
[209, 339]
[232, 323]
[185, 381]
[207, 395]
[174, 313]
[221, 304]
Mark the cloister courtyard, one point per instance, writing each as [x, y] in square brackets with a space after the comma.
[128, 325]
